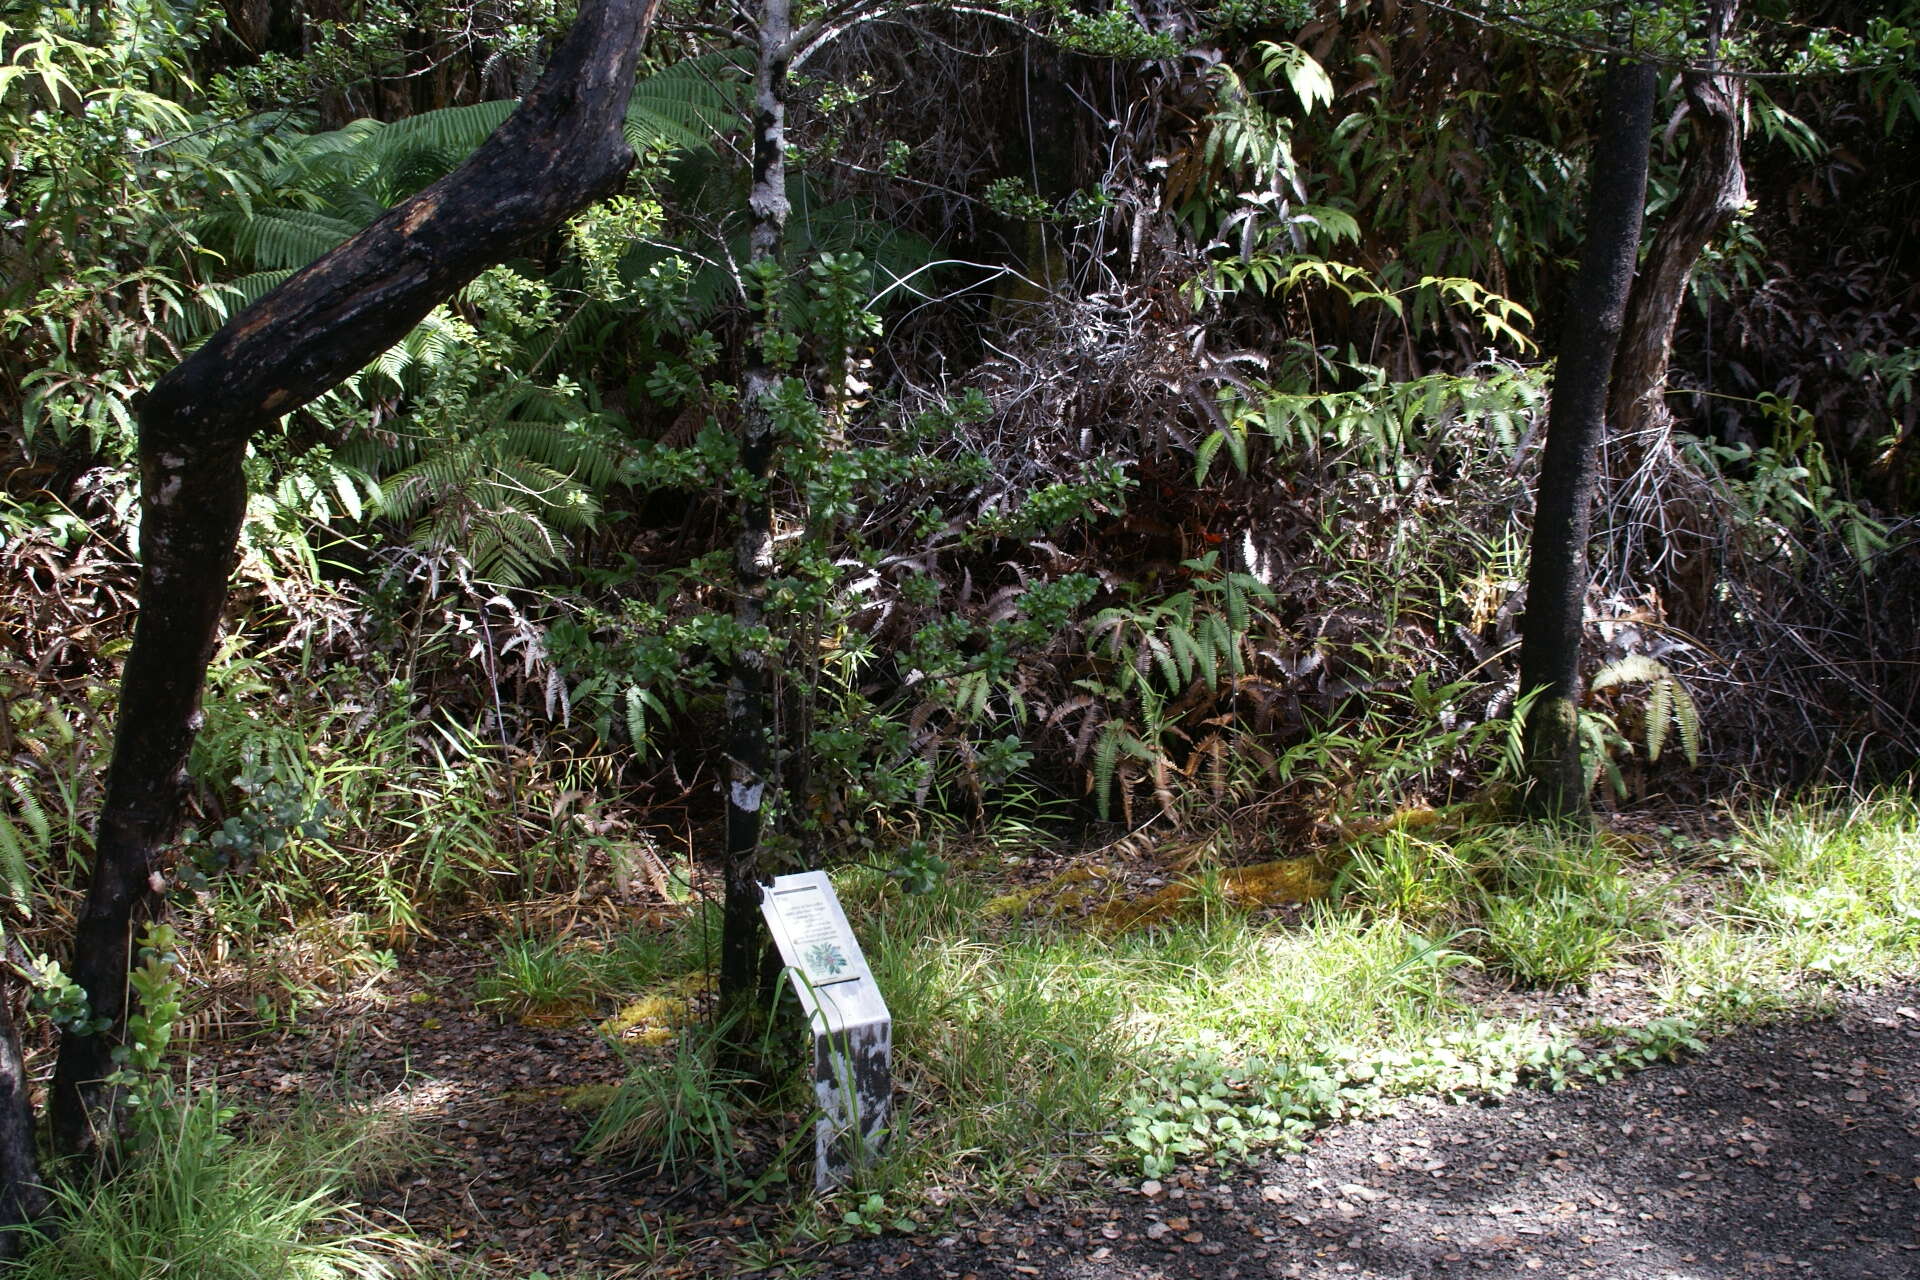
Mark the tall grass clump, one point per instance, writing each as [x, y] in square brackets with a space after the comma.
[195, 1200]
[1010, 1041]
[1545, 907]
[1558, 907]
[534, 975]
[1403, 874]
[1828, 891]
[677, 1115]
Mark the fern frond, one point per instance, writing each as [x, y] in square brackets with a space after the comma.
[1686, 716]
[1163, 657]
[636, 716]
[31, 810]
[1106, 755]
[1191, 657]
[16, 876]
[213, 304]
[454, 131]
[1634, 668]
[573, 448]
[686, 105]
[1658, 716]
[282, 239]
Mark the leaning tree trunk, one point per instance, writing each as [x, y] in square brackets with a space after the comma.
[1551, 629]
[1713, 186]
[562, 149]
[749, 756]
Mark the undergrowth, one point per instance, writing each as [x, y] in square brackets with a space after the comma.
[1545, 907]
[198, 1200]
[1032, 1053]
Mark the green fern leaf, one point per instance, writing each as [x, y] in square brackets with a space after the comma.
[288, 239]
[32, 811]
[1195, 658]
[687, 104]
[1686, 715]
[1658, 716]
[1163, 658]
[15, 869]
[636, 717]
[1106, 755]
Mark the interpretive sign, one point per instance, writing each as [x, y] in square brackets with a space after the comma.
[852, 1030]
[816, 941]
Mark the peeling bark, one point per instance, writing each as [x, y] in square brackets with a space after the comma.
[560, 151]
[1551, 629]
[749, 755]
[1713, 187]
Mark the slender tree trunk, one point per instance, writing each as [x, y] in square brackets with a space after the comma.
[1550, 632]
[1713, 186]
[749, 757]
[22, 1198]
[560, 151]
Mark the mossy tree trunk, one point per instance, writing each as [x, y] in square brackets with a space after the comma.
[1551, 630]
[563, 149]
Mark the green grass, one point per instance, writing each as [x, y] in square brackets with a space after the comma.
[1824, 893]
[1544, 907]
[1038, 1052]
[1026, 1047]
[198, 1201]
[1030, 1049]
[677, 1116]
[531, 974]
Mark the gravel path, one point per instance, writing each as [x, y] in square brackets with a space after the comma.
[1788, 1151]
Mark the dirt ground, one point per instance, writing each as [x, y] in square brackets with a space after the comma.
[1790, 1150]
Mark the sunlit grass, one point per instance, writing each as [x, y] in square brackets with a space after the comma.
[1024, 1045]
[1827, 892]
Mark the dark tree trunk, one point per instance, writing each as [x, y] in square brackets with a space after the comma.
[1551, 630]
[1713, 186]
[560, 151]
[749, 757]
[22, 1198]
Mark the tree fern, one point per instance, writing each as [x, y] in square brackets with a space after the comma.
[686, 105]
[505, 513]
[215, 303]
[290, 238]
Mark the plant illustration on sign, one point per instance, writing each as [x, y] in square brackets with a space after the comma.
[827, 958]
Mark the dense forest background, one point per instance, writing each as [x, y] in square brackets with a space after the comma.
[1175, 387]
[1150, 406]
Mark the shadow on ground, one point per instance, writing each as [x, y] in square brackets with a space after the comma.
[1793, 1150]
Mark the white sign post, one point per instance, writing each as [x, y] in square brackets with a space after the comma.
[852, 1030]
